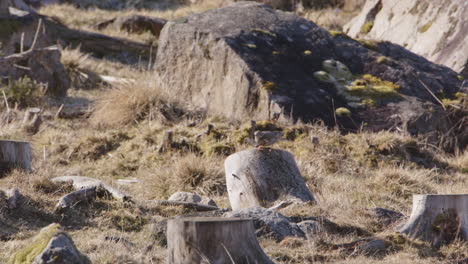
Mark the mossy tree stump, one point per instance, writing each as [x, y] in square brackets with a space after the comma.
[263, 177]
[15, 153]
[213, 240]
[438, 219]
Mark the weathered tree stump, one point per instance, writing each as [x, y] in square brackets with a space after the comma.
[15, 153]
[213, 240]
[261, 177]
[438, 218]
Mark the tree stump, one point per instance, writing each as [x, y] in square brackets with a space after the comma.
[438, 219]
[15, 153]
[32, 121]
[213, 240]
[261, 177]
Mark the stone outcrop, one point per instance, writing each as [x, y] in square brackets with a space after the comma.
[261, 63]
[269, 223]
[191, 198]
[436, 30]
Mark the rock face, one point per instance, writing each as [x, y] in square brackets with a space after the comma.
[51, 246]
[437, 30]
[260, 63]
[191, 198]
[269, 223]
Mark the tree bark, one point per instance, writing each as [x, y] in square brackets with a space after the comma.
[213, 240]
[15, 153]
[438, 218]
[261, 177]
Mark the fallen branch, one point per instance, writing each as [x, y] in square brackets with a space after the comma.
[73, 198]
[186, 205]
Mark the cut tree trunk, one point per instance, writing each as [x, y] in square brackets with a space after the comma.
[15, 153]
[213, 240]
[438, 219]
[32, 121]
[261, 177]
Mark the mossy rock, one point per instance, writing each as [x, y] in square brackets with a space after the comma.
[40, 243]
[27, 254]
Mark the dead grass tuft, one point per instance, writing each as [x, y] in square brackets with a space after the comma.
[133, 102]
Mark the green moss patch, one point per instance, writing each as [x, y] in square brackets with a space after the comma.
[382, 59]
[27, 254]
[370, 44]
[342, 111]
[425, 27]
[270, 86]
[367, 27]
[371, 86]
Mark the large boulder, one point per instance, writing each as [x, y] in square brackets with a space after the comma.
[437, 30]
[248, 60]
[269, 223]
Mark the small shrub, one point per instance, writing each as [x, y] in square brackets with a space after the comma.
[24, 92]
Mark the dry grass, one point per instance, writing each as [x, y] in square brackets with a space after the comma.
[347, 173]
[87, 19]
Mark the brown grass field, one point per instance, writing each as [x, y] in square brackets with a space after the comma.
[347, 173]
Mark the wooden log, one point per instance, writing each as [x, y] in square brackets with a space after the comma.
[98, 45]
[15, 153]
[73, 198]
[213, 240]
[438, 219]
[262, 177]
[102, 188]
